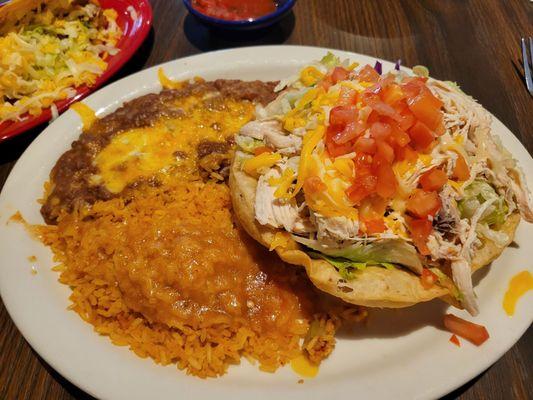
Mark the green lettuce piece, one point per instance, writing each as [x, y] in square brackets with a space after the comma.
[390, 251]
[446, 282]
[347, 269]
[248, 144]
[421, 70]
[330, 60]
[477, 193]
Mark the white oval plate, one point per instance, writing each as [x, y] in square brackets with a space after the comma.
[402, 354]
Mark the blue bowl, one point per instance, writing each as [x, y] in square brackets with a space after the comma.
[283, 8]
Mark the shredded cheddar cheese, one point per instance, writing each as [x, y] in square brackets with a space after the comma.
[42, 62]
[310, 141]
[285, 183]
[264, 160]
[310, 76]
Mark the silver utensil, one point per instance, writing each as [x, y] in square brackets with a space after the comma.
[527, 60]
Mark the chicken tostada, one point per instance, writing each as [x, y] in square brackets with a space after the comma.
[390, 189]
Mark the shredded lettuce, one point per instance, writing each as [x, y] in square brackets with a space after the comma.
[347, 268]
[420, 70]
[392, 251]
[497, 237]
[446, 282]
[248, 144]
[477, 193]
[330, 60]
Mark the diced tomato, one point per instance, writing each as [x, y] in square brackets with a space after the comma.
[372, 207]
[455, 340]
[387, 183]
[475, 333]
[339, 74]
[407, 120]
[261, 150]
[363, 165]
[406, 153]
[347, 96]
[364, 114]
[380, 130]
[362, 188]
[433, 179]
[428, 278]
[363, 162]
[356, 193]
[334, 149]
[399, 137]
[421, 136]
[374, 225]
[325, 83]
[385, 151]
[422, 203]
[426, 108]
[368, 74]
[440, 130]
[342, 115]
[365, 145]
[314, 184]
[392, 94]
[352, 130]
[461, 172]
[371, 213]
[368, 182]
[373, 117]
[412, 86]
[385, 81]
[420, 230]
[431, 98]
[379, 106]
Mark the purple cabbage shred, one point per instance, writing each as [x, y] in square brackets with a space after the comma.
[398, 65]
[378, 67]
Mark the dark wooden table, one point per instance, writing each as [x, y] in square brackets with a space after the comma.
[473, 42]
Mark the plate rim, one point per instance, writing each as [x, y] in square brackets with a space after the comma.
[435, 392]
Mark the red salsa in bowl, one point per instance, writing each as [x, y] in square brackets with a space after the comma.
[235, 10]
[239, 14]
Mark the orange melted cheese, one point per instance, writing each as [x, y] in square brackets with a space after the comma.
[303, 367]
[86, 113]
[519, 285]
[169, 146]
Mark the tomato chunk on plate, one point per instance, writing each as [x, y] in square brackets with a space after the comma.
[474, 333]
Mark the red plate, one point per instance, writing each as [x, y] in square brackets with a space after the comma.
[134, 33]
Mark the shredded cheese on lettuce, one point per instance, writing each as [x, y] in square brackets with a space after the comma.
[44, 61]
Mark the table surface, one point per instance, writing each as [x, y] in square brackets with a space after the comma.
[473, 42]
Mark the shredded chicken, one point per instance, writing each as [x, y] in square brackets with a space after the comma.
[464, 116]
[272, 134]
[275, 212]
[285, 144]
[335, 228]
[257, 129]
[462, 277]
